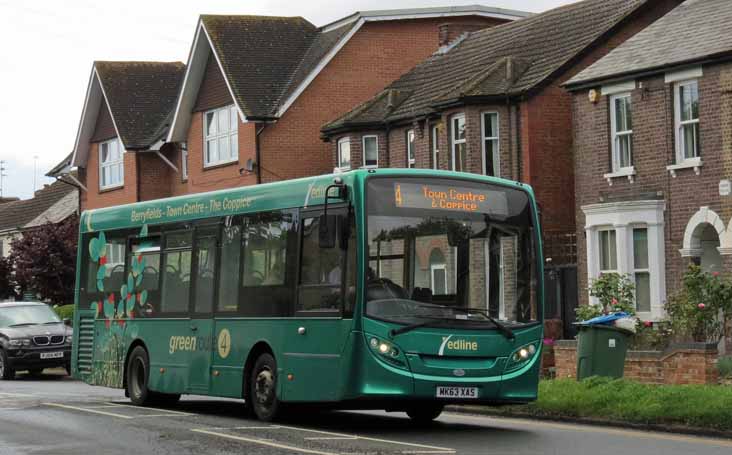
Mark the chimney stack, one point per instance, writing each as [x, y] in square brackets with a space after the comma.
[450, 31]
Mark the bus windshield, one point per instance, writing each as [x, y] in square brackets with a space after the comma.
[450, 253]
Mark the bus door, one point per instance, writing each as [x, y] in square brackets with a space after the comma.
[204, 272]
[322, 315]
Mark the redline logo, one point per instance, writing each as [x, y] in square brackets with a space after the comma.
[457, 345]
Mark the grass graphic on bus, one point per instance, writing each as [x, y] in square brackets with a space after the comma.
[116, 311]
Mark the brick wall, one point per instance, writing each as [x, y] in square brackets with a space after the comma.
[653, 150]
[684, 364]
[94, 197]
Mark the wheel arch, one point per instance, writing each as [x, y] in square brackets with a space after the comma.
[135, 343]
[259, 348]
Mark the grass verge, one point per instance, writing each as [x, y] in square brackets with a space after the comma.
[622, 401]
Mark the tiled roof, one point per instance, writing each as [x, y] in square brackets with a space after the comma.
[695, 30]
[510, 59]
[141, 96]
[259, 56]
[61, 166]
[15, 215]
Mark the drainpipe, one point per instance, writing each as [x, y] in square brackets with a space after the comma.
[388, 150]
[258, 153]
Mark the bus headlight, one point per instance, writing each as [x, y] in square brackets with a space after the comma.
[387, 352]
[522, 356]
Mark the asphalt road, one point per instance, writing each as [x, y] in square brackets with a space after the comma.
[57, 415]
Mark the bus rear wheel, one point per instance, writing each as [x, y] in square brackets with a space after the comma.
[263, 388]
[138, 368]
[425, 413]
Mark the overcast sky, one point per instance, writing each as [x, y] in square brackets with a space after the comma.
[48, 47]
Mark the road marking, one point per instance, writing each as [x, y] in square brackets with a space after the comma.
[367, 438]
[153, 409]
[93, 411]
[263, 442]
[270, 427]
[597, 429]
[333, 438]
[14, 395]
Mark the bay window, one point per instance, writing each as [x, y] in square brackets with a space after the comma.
[435, 147]
[489, 126]
[411, 160]
[458, 143]
[344, 154]
[370, 145]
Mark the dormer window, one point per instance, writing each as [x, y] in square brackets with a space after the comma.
[111, 165]
[220, 136]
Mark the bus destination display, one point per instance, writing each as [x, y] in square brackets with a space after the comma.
[454, 198]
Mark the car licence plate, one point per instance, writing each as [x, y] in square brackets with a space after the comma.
[52, 355]
[456, 392]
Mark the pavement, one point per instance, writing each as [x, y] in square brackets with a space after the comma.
[58, 415]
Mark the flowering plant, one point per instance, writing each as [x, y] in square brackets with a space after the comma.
[614, 293]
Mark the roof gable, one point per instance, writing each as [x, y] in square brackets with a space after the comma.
[138, 96]
[674, 39]
[509, 59]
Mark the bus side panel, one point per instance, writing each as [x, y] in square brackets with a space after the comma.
[170, 343]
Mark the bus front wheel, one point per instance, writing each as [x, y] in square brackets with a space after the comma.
[425, 413]
[263, 388]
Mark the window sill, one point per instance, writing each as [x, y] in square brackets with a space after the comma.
[628, 172]
[694, 163]
[338, 170]
[107, 189]
[207, 167]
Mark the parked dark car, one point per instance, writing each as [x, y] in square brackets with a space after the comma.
[32, 337]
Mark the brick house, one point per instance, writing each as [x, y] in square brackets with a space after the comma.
[119, 151]
[653, 154]
[265, 85]
[491, 102]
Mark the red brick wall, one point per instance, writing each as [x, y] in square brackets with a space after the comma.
[104, 128]
[213, 91]
[94, 198]
[653, 150]
[379, 53]
[681, 365]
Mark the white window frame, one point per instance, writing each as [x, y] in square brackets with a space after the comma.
[228, 135]
[435, 131]
[615, 135]
[410, 145]
[497, 149]
[599, 255]
[363, 150]
[623, 217]
[434, 267]
[635, 270]
[453, 141]
[339, 160]
[109, 164]
[678, 124]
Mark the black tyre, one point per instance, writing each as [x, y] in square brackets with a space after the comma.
[67, 367]
[6, 372]
[138, 372]
[35, 372]
[263, 388]
[425, 413]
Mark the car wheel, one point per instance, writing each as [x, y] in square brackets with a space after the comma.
[6, 372]
[138, 372]
[263, 390]
[425, 413]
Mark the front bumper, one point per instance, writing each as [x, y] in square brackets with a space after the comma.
[20, 359]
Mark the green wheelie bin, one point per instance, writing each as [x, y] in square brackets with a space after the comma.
[601, 351]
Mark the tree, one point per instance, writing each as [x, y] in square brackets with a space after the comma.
[7, 289]
[44, 259]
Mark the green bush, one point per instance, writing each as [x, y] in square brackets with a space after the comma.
[724, 365]
[628, 401]
[65, 312]
[614, 292]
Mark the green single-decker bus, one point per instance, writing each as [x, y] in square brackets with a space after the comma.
[395, 289]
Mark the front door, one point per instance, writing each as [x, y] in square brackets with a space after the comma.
[204, 273]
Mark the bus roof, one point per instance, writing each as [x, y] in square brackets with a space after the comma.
[231, 201]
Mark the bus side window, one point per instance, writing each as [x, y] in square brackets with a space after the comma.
[266, 239]
[321, 273]
[228, 297]
[147, 251]
[176, 272]
[114, 268]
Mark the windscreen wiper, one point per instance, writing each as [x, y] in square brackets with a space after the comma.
[409, 328]
[508, 333]
[23, 324]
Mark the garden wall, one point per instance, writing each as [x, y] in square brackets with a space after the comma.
[692, 363]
